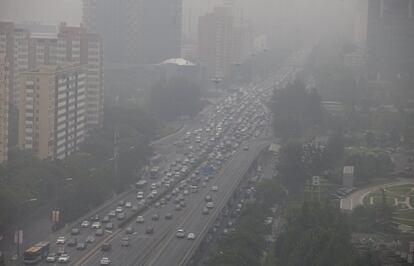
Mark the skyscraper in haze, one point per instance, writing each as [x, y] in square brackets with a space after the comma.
[119, 24]
[136, 31]
[215, 40]
[390, 38]
[4, 106]
[162, 29]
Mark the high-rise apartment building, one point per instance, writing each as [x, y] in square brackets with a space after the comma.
[215, 42]
[136, 31]
[390, 38]
[4, 106]
[52, 110]
[77, 46]
[33, 45]
[7, 50]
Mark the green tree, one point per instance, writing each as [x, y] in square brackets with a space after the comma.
[294, 109]
[291, 166]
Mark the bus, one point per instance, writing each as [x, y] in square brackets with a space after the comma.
[36, 253]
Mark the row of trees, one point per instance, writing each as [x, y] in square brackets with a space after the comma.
[298, 162]
[245, 245]
[84, 179]
[295, 109]
[316, 234]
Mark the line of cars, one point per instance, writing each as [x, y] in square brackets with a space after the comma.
[208, 141]
[215, 158]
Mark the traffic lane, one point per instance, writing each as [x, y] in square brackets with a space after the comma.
[170, 229]
[140, 242]
[175, 250]
[193, 203]
[85, 232]
[139, 228]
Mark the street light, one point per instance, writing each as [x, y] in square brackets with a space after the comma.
[56, 211]
[18, 233]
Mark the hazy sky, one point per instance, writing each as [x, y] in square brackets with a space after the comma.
[261, 12]
[34, 10]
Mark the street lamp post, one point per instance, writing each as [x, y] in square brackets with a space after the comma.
[56, 211]
[18, 233]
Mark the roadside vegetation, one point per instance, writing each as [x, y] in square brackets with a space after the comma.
[245, 245]
[82, 180]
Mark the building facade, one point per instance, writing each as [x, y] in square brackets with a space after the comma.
[34, 45]
[215, 41]
[4, 107]
[136, 31]
[162, 30]
[77, 46]
[52, 110]
[390, 39]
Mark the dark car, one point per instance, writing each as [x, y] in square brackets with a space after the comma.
[129, 230]
[168, 216]
[155, 217]
[125, 242]
[106, 219]
[106, 247]
[149, 230]
[99, 232]
[109, 226]
[75, 231]
[72, 242]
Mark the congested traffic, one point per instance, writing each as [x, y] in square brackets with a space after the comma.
[161, 199]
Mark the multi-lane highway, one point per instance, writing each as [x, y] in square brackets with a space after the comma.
[226, 138]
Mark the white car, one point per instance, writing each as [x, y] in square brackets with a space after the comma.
[210, 205]
[214, 188]
[85, 224]
[128, 204]
[180, 233]
[191, 236]
[61, 240]
[119, 209]
[51, 257]
[105, 261]
[96, 225]
[64, 258]
[140, 219]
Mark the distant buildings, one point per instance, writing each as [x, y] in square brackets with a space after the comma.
[385, 30]
[215, 42]
[223, 44]
[136, 31]
[4, 106]
[162, 30]
[52, 110]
